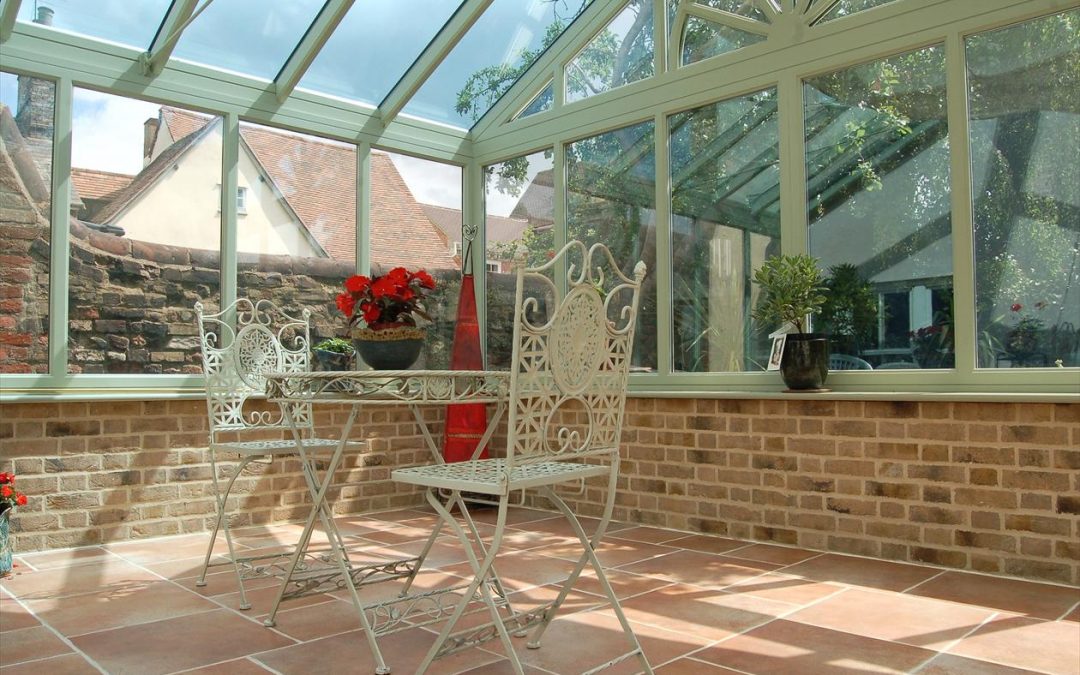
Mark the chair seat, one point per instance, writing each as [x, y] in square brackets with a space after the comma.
[486, 476]
[276, 448]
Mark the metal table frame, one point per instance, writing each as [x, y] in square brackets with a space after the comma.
[357, 389]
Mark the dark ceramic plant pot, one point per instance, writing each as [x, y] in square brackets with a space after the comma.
[391, 349]
[328, 360]
[806, 361]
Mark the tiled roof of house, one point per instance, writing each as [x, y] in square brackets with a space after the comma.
[94, 184]
[536, 204]
[401, 233]
[499, 228]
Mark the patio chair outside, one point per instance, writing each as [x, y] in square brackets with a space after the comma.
[571, 356]
[848, 362]
[240, 345]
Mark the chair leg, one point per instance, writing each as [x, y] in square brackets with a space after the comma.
[222, 524]
[589, 555]
[500, 590]
[480, 573]
[423, 556]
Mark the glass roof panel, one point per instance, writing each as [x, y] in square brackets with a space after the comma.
[541, 102]
[500, 46]
[373, 46]
[251, 37]
[849, 7]
[132, 24]
[705, 39]
[619, 54]
[741, 7]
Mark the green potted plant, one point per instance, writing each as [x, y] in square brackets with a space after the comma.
[9, 499]
[333, 354]
[793, 288]
[849, 315]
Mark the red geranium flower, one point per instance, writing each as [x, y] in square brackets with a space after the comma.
[357, 283]
[345, 304]
[6, 491]
[20, 500]
[9, 496]
[393, 299]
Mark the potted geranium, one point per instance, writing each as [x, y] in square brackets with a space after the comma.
[9, 499]
[383, 313]
[793, 288]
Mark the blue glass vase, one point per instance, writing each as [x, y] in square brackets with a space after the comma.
[5, 543]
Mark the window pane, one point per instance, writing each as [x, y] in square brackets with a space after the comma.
[296, 237]
[252, 37]
[415, 222]
[849, 7]
[722, 157]
[520, 201]
[705, 39]
[620, 54]
[127, 23]
[877, 170]
[541, 102]
[741, 7]
[1025, 165]
[26, 142]
[611, 198]
[146, 183]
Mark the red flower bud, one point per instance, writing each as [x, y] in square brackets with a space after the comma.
[20, 500]
[1016, 307]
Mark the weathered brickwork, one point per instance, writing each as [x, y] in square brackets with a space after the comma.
[991, 487]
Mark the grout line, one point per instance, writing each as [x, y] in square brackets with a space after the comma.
[1068, 611]
[953, 643]
[63, 638]
[926, 580]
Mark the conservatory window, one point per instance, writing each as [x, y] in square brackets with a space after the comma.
[620, 54]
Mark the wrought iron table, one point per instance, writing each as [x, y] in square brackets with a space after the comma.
[306, 574]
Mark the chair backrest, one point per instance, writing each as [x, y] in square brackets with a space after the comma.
[571, 356]
[848, 362]
[240, 345]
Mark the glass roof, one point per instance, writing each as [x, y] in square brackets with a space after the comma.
[368, 53]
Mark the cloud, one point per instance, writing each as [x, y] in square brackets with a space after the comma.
[107, 131]
[430, 182]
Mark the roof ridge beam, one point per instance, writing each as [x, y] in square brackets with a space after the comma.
[424, 65]
[7, 19]
[180, 15]
[320, 30]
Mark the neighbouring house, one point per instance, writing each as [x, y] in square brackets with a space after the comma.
[94, 189]
[503, 236]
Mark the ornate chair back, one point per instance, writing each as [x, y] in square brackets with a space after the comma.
[242, 344]
[571, 356]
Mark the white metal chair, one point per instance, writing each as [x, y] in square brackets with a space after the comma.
[240, 345]
[848, 362]
[571, 357]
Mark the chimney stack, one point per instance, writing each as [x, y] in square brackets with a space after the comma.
[150, 132]
[44, 15]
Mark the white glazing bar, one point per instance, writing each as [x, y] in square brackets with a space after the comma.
[425, 64]
[7, 18]
[363, 208]
[963, 248]
[661, 267]
[793, 235]
[305, 52]
[728, 19]
[818, 10]
[230, 173]
[559, 210]
[474, 212]
[181, 13]
[660, 32]
[60, 228]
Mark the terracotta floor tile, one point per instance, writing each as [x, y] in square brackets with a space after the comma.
[66, 558]
[25, 644]
[234, 667]
[349, 653]
[650, 535]
[920, 622]
[446, 551]
[66, 664]
[702, 569]
[947, 664]
[1074, 615]
[318, 620]
[262, 599]
[612, 552]
[706, 543]
[515, 515]
[177, 644]
[111, 573]
[522, 569]
[778, 555]
[702, 612]
[188, 568]
[1025, 643]
[785, 588]
[500, 667]
[1010, 595]
[880, 574]
[522, 540]
[624, 584]
[119, 607]
[557, 525]
[167, 548]
[426, 580]
[788, 647]
[691, 666]
[14, 617]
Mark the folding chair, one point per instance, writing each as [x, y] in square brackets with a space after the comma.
[240, 345]
[567, 395]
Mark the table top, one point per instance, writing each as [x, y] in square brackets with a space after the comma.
[389, 387]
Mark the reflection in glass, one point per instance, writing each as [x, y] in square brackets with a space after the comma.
[745, 8]
[520, 203]
[26, 144]
[127, 23]
[541, 102]
[611, 198]
[877, 171]
[620, 54]
[146, 183]
[849, 7]
[705, 39]
[1025, 131]
[499, 48]
[723, 157]
[251, 37]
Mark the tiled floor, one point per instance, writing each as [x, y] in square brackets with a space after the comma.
[698, 604]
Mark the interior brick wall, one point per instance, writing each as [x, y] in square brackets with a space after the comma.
[990, 487]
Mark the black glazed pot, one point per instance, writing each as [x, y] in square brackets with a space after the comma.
[806, 361]
[328, 360]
